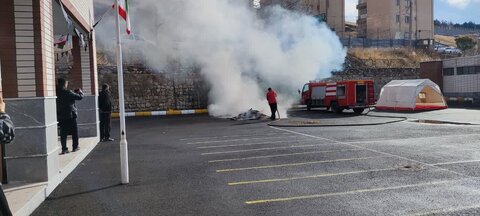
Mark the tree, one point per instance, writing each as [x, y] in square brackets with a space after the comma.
[465, 43]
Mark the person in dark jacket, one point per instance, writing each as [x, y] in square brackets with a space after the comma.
[67, 114]
[7, 133]
[105, 106]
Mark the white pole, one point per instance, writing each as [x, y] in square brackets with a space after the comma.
[123, 132]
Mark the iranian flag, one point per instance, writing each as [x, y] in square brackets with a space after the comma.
[123, 12]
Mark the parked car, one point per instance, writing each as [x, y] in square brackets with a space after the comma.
[440, 48]
[452, 50]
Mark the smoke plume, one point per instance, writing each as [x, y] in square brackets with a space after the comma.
[241, 52]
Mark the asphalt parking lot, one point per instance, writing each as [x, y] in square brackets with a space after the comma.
[198, 165]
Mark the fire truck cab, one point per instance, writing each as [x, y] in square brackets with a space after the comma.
[338, 96]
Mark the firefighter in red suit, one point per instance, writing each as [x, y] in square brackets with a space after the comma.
[272, 101]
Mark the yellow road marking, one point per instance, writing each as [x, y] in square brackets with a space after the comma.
[201, 111]
[281, 155]
[242, 139]
[174, 112]
[263, 149]
[308, 177]
[313, 196]
[143, 113]
[295, 164]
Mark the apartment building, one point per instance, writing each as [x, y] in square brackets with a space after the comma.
[330, 11]
[395, 19]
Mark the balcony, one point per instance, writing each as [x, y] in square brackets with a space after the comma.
[362, 4]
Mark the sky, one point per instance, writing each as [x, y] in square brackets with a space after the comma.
[457, 11]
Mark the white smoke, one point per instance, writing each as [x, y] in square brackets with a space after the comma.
[240, 54]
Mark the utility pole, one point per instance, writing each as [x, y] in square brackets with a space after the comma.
[410, 21]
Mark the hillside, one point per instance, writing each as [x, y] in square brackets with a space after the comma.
[390, 57]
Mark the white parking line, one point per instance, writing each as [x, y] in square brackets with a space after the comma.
[405, 139]
[308, 177]
[296, 164]
[372, 150]
[280, 155]
[235, 140]
[252, 144]
[234, 136]
[263, 149]
[455, 162]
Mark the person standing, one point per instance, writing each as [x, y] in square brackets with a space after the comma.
[105, 106]
[272, 102]
[67, 114]
[7, 134]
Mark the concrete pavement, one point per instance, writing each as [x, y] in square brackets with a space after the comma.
[454, 115]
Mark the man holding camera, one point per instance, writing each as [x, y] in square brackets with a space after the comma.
[67, 114]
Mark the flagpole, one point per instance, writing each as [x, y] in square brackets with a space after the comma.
[121, 99]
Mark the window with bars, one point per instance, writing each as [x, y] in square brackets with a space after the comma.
[468, 70]
[448, 71]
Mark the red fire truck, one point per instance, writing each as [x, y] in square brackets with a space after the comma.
[338, 96]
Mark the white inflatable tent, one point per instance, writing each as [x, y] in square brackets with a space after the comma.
[419, 94]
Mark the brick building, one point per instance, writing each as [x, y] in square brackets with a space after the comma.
[27, 62]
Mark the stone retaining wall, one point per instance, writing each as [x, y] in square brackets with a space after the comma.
[148, 90]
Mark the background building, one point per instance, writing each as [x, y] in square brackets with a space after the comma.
[395, 19]
[331, 11]
[459, 78]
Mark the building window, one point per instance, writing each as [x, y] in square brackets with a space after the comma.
[398, 18]
[407, 3]
[407, 19]
[471, 70]
[448, 71]
[468, 70]
[398, 2]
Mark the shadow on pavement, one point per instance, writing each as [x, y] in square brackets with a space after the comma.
[84, 192]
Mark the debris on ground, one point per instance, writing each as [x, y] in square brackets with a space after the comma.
[251, 114]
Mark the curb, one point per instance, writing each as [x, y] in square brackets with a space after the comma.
[433, 120]
[162, 113]
[273, 124]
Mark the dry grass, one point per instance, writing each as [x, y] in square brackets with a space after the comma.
[391, 57]
[447, 40]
